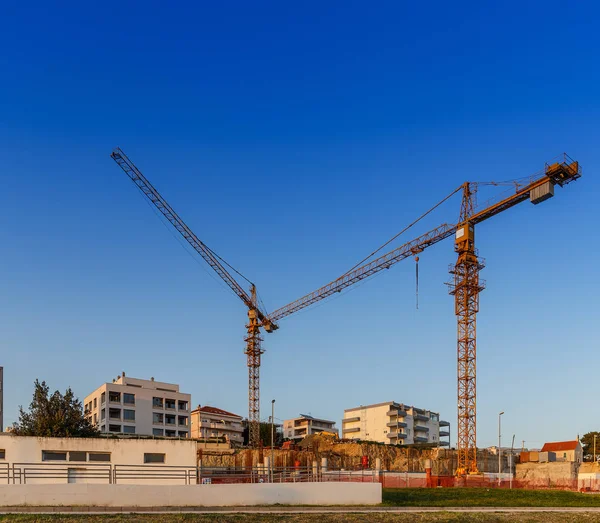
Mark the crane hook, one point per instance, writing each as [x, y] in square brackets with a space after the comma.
[417, 279]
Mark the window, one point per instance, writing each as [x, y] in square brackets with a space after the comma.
[114, 428]
[95, 402]
[102, 428]
[170, 433]
[182, 420]
[157, 403]
[183, 434]
[128, 399]
[183, 405]
[169, 404]
[2, 454]
[158, 432]
[103, 398]
[157, 417]
[50, 455]
[99, 456]
[77, 456]
[170, 419]
[103, 414]
[129, 415]
[95, 419]
[114, 397]
[114, 414]
[150, 457]
[128, 430]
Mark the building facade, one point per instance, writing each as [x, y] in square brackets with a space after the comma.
[395, 423]
[211, 422]
[136, 406]
[298, 428]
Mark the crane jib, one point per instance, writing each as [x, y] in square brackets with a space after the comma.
[167, 211]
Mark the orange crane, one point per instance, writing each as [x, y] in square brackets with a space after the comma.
[257, 317]
[465, 284]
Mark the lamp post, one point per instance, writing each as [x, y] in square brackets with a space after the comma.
[272, 435]
[499, 445]
[595, 448]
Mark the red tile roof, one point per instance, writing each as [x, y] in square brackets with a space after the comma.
[218, 412]
[559, 445]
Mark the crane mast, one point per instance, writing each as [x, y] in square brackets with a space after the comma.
[465, 285]
[256, 317]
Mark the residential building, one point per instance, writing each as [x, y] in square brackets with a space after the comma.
[136, 406]
[94, 460]
[211, 422]
[565, 450]
[396, 423]
[298, 428]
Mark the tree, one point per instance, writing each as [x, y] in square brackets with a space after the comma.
[55, 415]
[587, 442]
[265, 434]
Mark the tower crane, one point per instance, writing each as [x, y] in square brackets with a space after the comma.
[257, 318]
[465, 284]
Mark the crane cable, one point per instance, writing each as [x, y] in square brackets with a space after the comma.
[407, 227]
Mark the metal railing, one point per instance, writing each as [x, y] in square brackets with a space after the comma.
[5, 472]
[71, 472]
[128, 473]
[260, 474]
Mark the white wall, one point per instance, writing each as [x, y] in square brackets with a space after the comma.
[23, 449]
[191, 495]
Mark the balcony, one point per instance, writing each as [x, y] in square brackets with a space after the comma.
[420, 439]
[396, 412]
[348, 431]
[444, 433]
[444, 423]
[396, 424]
[421, 428]
[350, 420]
[421, 417]
[396, 435]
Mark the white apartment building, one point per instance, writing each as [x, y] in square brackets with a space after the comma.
[211, 422]
[298, 428]
[395, 423]
[136, 406]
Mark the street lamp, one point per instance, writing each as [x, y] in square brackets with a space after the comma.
[499, 445]
[272, 434]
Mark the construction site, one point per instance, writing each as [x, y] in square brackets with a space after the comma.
[465, 285]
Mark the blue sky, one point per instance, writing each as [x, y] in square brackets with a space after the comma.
[295, 139]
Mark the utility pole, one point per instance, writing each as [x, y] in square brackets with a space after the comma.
[272, 435]
[595, 448]
[499, 446]
[523, 446]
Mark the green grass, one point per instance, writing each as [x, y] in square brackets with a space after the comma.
[310, 518]
[483, 497]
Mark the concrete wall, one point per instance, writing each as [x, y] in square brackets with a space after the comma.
[192, 495]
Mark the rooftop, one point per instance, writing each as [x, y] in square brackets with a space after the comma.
[214, 410]
[560, 445]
